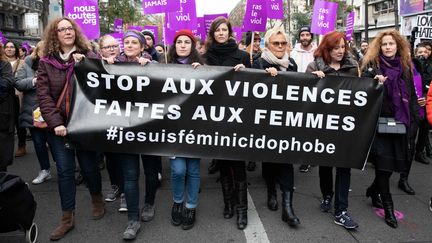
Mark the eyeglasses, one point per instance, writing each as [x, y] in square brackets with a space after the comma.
[113, 47]
[64, 29]
[277, 43]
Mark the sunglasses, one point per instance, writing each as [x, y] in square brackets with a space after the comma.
[277, 43]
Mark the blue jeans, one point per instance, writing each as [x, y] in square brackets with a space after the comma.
[129, 164]
[65, 163]
[185, 176]
[40, 139]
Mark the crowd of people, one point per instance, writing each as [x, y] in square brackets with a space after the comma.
[43, 81]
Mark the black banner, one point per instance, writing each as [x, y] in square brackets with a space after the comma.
[215, 112]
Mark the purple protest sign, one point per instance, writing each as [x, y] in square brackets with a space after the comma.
[119, 38]
[169, 35]
[411, 6]
[135, 27]
[208, 19]
[200, 29]
[324, 17]
[154, 30]
[26, 46]
[160, 6]
[85, 13]
[2, 38]
[185, 18]
[275, 9]
[118, 25]
[237, 33]
[255, 18]
[349, 26]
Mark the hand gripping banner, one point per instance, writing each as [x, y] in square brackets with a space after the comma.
[215, 112]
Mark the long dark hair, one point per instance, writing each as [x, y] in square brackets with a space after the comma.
[214, 25]
[16, 48]
[194, 56]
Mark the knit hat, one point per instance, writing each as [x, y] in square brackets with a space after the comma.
[149, 33]
[185, 32]
[249, 37]
[305, 29]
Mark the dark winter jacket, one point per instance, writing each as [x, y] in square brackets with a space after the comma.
[230, 59]
[349, 67]
[260, 63]
[24, 83]
[7, 122]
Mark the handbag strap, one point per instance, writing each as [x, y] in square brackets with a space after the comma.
[62, 95]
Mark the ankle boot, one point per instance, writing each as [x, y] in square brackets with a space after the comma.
[404, 185]
[67, 223]
[389, 216]
[228, 191]
[373, 194]
[287, 210]
[242, 206]
[272, 202]
[21, 151]
[98, 206]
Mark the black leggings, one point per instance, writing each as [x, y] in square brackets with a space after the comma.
[381, 181]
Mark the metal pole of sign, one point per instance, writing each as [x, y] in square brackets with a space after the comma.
[396, 13]
[366, 23]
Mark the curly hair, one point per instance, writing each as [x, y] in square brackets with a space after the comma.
[403, 50]
[214, 25]
[328, 43]
[36, 51]
[52, 43]
[194, 56]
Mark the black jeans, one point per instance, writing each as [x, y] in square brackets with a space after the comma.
[342, 184]
[151, 165]
[114, 169]
[423, 136]
[280, 173]
[21, 131]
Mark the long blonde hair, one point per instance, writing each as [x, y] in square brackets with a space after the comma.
[374, 50]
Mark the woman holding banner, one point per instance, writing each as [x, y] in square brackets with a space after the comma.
[65, 43]
[332, 58]
[274, 58]
[222, 50]
[185, 172]
[388, 60]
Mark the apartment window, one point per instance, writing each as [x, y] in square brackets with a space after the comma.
[384, 7]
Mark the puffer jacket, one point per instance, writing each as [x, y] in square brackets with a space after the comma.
[24, 83]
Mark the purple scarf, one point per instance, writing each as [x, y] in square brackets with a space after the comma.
[68, 67]
[396, 87]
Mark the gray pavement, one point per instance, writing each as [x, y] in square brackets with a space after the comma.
[212, 227]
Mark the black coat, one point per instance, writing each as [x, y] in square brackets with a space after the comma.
[230, 59]
[7, 121]
[260, 63]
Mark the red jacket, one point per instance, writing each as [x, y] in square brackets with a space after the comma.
[429, 105]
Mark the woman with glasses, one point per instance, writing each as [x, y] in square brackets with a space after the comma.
[274, 59]
[332, 58]
[222, 50]
[7, 110]
[64, 44]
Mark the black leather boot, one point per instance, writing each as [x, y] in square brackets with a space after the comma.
[404, 186]
[389, 216]
[287, 210]
[228, 196]
[373, 194]
[428, 149]
[272, 202]
[422, 158]
[242, 205]
[177, 214]
[188, 220]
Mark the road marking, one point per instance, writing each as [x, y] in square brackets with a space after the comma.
[254, 232]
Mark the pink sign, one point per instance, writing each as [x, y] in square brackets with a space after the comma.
[86, 14]
[349, 26]
[324, 17]
[255, 18]
[200, 29]
[275, 9]
[160, 6]
[118, 25]
[237, 33]
[154, 30]
[185, 18]
[135, 27]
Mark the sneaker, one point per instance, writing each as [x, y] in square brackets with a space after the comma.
[147, 213]
[304, 168]
[343, 219]
[43, 176]
[123, 204]
[132, 230]
[430, 204]
[112, 195]
[325, 205]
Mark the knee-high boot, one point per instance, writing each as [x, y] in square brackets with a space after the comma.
[228, 196]
[389, 216]
[242, 204]
[287, 210]
[272, 202]
[372, 192]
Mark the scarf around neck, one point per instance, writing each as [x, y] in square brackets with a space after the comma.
[66, 56]
[396, 87]
[183, 60]
[268, 56]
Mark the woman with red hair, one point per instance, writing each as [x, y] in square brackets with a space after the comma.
[332, 58]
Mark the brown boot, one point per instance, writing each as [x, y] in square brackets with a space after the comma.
[67, 223]
[98, 206]
[21, 151]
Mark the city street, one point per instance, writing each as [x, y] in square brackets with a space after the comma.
[264, 225]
